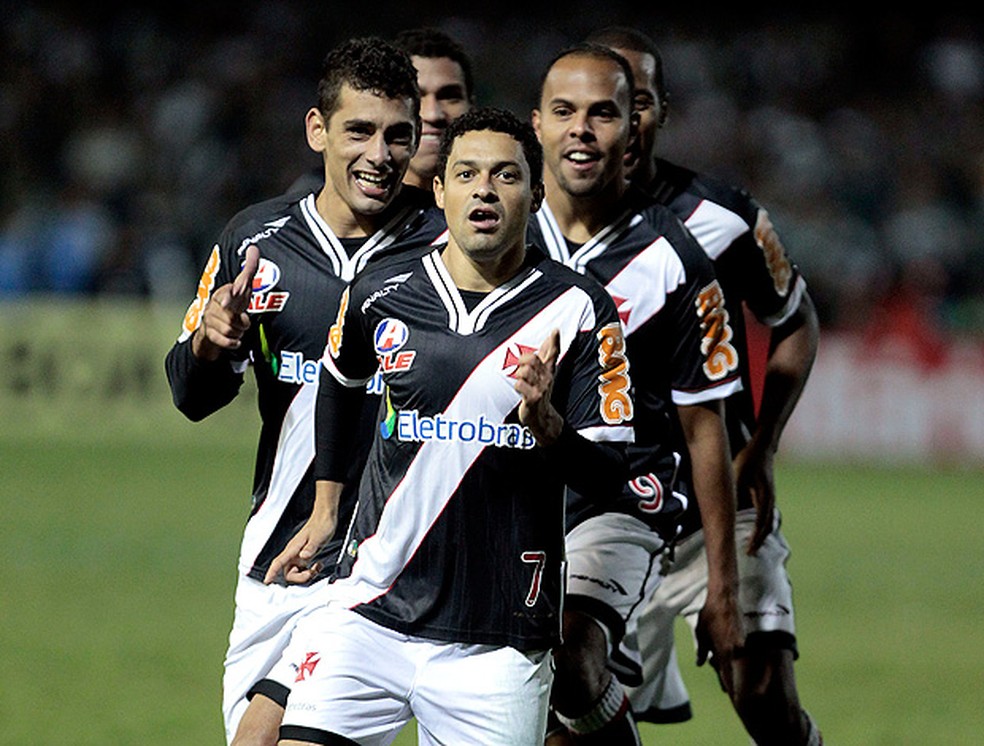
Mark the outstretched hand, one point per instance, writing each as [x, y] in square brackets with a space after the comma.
[225, 321]
[534, 382]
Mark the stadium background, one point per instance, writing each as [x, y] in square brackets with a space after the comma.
[129, 137]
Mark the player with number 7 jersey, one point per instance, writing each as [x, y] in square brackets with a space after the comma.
[459, 530]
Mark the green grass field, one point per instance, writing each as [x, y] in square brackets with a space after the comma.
[119, 566]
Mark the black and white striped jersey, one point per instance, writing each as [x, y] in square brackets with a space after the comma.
[678, 337]
[753, 270]
[458, 533]
[303, 270]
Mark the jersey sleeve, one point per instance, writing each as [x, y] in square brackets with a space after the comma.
[597, 405]
[600, 405]
[771, 284]
[704, 363]
[198, 387]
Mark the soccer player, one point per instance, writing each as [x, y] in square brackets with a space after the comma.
[753, 267]
[447, 90]
[505, 380]
[272, 316]
[678, 339]
[446, 83]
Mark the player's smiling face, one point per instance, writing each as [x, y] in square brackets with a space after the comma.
[486, 195]
[646, 104]
[369, 142]
[584, 123]
[443, 97]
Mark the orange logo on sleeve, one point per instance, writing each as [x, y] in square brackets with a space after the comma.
[720, 356]
[193, 316]
[616, 404]
[335, 333]
[775, 253]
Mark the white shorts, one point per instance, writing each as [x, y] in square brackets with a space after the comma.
[264, 620]
[765, 599]
[363, 681]
[611, 566]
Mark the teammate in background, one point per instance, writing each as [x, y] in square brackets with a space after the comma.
[273, 316]
[447, 90]
[752, 265]
[505, 380]
[683, 366]
[446, 83]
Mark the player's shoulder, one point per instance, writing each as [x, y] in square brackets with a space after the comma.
[680, 182]
[264, 217]
[561, 275]
[662, 220]
[391, 268]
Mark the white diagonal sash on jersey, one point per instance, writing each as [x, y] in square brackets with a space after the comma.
[436, 471]
[641, 287]
[347, 267]
[715, 227]
[297, 440]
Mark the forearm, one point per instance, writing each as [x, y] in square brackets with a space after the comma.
[588, 467]
[714, 489]
[199, 387]
[336, 416]
[792, 351]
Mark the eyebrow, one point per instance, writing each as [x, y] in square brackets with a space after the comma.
[498, 165]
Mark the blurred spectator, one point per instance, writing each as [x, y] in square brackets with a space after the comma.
[123, 138]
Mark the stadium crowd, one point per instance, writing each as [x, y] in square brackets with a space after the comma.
[124, 150]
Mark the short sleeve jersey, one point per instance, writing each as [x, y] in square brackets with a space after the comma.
[459, 530]
[678, 339]
[303, 271]
[750, 263]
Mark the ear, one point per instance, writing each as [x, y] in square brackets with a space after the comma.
[535, 120]
[664, 110]
[634, 119]
[316, 129]
[538, 194]
[439, 192]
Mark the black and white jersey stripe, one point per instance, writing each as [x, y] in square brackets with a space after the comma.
[656, 273]
[457, 514]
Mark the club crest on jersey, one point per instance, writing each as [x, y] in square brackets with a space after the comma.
[264, 298]
[513, 353]
[389, 339]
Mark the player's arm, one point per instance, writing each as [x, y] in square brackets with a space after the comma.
[588, 467]
[201, 371]
[336, 418]
[792, 351]
[719, 627]
[336, 414]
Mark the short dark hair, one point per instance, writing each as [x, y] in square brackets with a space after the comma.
[598, 51]
[626, 37]
[433, 43]
[367, 64]
[495, 120]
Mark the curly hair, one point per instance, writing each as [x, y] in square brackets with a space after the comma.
[367, 64]
[495, 120]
